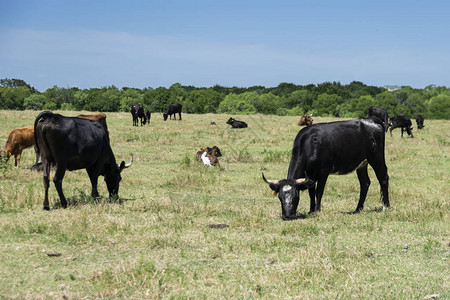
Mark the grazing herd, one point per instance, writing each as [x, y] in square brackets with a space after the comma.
[82, 142]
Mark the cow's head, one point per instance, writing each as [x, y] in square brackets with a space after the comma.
[288, 193]
[230, 121]
[5, 155]
[165, 116]
[113, 178]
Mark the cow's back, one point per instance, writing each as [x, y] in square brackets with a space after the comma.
[337, 146]
[73, 141]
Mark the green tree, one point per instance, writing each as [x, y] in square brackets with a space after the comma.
[326, 105]
[15, 83]
[301, 98]
[130, 96]
[356, 107]
[387, 101]
[203, 101]
[12, 98]
[34, 102]
[440, 107]
[235, 104]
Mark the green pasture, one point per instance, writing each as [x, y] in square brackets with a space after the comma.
[184, 230]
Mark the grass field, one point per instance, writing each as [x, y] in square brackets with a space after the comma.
[158, 242]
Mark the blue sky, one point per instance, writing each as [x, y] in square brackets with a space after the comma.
[141, 44]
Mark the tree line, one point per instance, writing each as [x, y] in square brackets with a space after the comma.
[325, 99]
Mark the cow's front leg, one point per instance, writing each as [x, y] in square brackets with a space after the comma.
[93, 176]
[312, 199]
[319, 190]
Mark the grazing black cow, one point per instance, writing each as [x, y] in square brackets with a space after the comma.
[137, 111]
[173, 110]
[72, 143]
[419, 121]
[380, 113]
[403, 122]
[148, 115]
[236, 124]
[333, 148]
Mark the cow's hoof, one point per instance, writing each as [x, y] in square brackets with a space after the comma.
[357, 211]
[46, 207]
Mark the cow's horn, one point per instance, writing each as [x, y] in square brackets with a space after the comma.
[130, 163]
[302, 180]
[276, 182]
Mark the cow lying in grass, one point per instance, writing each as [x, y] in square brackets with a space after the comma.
[305, 120]
[209, 156]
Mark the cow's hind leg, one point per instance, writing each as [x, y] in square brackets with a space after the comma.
[383, 178]
[46, 180]
[364, 183]
[57, 180]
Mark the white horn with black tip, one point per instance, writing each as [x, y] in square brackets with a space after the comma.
[276, 182]
[302, 180]
[130, 163]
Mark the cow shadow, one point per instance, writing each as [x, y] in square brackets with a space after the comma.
[299, 216]
[84, 199]
[372, 210]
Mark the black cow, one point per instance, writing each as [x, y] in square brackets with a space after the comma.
[148, 115]
[137, 111]
[333, 148]
[380, 113]
[236, 124]
[419, 121]
[403, 122]
[72, 144]
[173, 110]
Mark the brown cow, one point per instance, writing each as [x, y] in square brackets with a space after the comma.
[305, 120]
[18, 140]
[99, 117]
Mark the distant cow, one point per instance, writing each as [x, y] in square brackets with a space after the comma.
[380, 113]
[333, 148]
[148, 115]
[403, 122]
[236, 124]
[98, 117]
[419, 121]
[173, 110]
[137, 111]
[305, 120]
[18, 140]
[72, 143]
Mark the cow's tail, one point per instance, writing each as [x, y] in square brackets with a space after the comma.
[42, 115]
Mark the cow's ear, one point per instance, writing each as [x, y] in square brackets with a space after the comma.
[305, 186]
[275, 188]
[122, 165]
